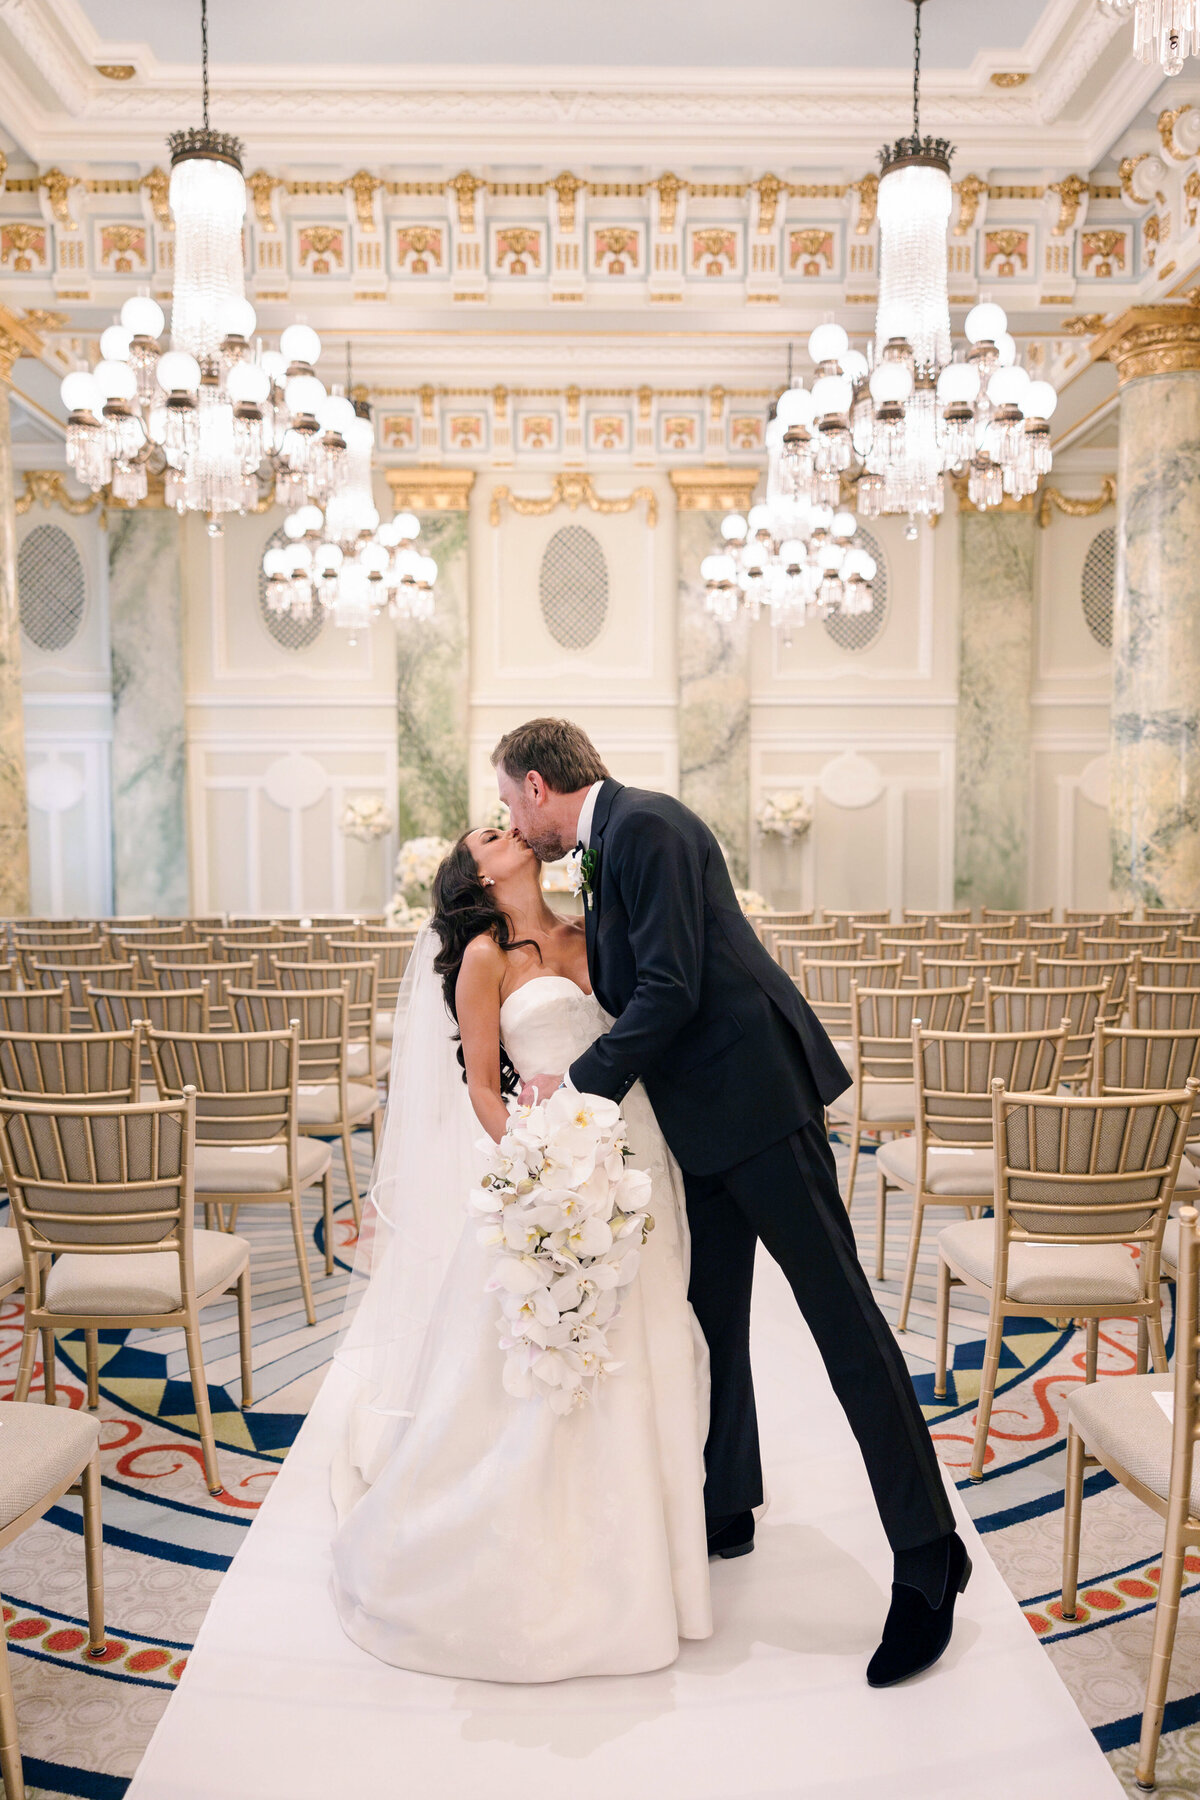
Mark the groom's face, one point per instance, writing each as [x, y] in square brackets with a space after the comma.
[533, 810]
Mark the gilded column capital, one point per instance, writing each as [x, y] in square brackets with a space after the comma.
[1151, 340]
[17, 338]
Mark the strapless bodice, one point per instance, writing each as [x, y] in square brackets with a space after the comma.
[548, 1022]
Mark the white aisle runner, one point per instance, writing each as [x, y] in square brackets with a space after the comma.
[276, 1704]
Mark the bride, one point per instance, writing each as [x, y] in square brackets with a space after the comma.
[482, 1535]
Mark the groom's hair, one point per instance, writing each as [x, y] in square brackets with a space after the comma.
[560, 752]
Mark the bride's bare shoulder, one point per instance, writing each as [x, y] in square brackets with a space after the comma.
[483, 960]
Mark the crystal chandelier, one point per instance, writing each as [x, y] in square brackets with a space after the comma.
[1166, 31]
[215, 409]
[913, 411]
[344, 559]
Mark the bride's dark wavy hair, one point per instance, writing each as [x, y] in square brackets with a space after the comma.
[464, 909]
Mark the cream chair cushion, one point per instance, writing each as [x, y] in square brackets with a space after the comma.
[135, 1283]
[845, 1049]
[40, 1446]
[1060, 1275]
[357, 1059]
[880, 1100]
[1124, 1420]
[257, 1168]
[384, 1021]
[319, 1105]
[11, 1266]
[947, 1171]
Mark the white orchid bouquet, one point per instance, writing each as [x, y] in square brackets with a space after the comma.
[417, 864]
[567, 1221]
[366, 818]
[787, 815]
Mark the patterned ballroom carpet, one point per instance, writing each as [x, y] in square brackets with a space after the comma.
[167, 1541]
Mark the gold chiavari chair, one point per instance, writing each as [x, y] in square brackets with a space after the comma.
[1165, 971]
[1025, 949]
[1062, 972]
[127, 939]
[38, 937]
[1127, 1060]
[792, 953]
[1102, 949]
[365, 1062]
[761, 921]
[390, 961]
[1168, 915]
[969, 937]
[896, 934]
[1163, 1008]
[947, 971]
[178, 1009]
[201, 925]
[269, 956]
[37, 1010]
[949, 1161]
[952, 916]
[849, 919]
[1066, 937]
[1187, 944]
[1045, 1009]
[58, 956]
[828, 987]
[1016, 917]
[881, 1061]
[249, 1151]
[1096, 918]
[774, 934]
[1151, 1452]
[109, 1193]
[10, 977]
[1078, 1181]
[371, 931]
[1146, 931]
[181, 951]
[99, 1068]
[48, 1452]
[78, 979]
[219, 978]
[911, 953]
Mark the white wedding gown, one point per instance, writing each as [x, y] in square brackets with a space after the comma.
[500, 1541]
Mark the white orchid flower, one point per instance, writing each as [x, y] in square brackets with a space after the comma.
[516, 1275]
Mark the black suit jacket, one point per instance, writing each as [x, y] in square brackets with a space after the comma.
[732, 1056]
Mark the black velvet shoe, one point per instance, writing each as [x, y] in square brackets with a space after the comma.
[916, 1633]
[735, 1537]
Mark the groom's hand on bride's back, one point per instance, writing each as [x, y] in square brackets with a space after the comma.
[538, 1087]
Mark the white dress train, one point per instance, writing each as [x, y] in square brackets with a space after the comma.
[502, 1542]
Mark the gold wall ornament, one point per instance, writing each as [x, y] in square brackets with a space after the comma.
[57, 186]
[970, 190]
[20, 242]
[262, 186]
[1084, 325]
[120, 243]
[868, 202]
[464, 187]
[1104, 248]
[158, 187]
[423, 243]
[39, 319]
[1191, 196]
[431, 490]
[325, 245]
[427, 395]
[1070, 191]
[617, 243]
[1009, 78]
[811, 247]
[1151, 340]
[1052, 500]
[768, 189]
[668, 187]
[116, 71]
[47, 488]
[1167, 121]
[1125, 173]
[3, 168]
[714, 490]
[571, 491]
[364, 186]
[520, 245]
[1006, 248]
[566, 187]
[17, 339]
[1153, 234]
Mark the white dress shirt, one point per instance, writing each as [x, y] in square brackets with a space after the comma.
[586, 813]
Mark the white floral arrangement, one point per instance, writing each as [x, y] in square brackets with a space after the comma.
[787, 815]
[402, 917]
[497, 817]
[750, 901]
[567, 1221]
[366, 818]
[417, 864]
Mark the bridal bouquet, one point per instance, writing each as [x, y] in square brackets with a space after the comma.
[567, 1221]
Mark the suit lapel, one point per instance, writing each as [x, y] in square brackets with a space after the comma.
[591, 914]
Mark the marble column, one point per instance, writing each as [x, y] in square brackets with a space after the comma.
[150, 859]
[714, 694]
[992, 785]
[16, 340]
[1154, 806]
[432, 666]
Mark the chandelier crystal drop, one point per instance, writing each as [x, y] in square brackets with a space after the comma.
[215, 413]
[1164, 31]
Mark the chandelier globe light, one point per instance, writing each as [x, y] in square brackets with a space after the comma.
[1164, 31]
[214, 412]
[915, 408]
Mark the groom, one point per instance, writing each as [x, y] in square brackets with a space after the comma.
[738, 1070]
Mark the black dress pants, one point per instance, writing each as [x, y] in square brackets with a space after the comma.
[787, 1195]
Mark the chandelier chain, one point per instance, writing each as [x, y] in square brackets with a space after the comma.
[204, 56]
[917, 71]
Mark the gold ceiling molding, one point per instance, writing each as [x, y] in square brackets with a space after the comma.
[573, 491]
[714, 490]
[868, 202]
[1084, 325]
[431, 490]
[1052, 500]
[158, 189]
[17, 338]
[46, 487]
[1009, 78]
[1167, 121]
[116, 71]
[971, 190]
[1070, 191]
[1151, 340]
[364, 186]
[262, 186]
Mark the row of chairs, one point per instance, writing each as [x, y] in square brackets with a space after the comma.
[1011, 918]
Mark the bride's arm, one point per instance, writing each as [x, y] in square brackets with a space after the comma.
[477, 1002]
